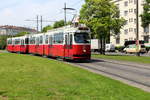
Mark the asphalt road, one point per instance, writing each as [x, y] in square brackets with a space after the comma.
[128, 54]
[137, 75]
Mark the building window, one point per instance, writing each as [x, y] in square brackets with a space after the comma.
[130, 29]
[146, 29]
[126, 3]
[134, 1]
[130, 38]
[146, 39]
[135, 20]
[135, 11]
[130, 10]
[130, 1]
[130, 19]
[125, 13]
[118, 40]
[134, 30]
[126, 31]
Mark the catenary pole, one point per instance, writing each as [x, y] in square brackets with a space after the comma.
[137, 27]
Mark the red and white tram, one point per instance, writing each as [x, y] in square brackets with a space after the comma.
[67, 43]
[18, 44]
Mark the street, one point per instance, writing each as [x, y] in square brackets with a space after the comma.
[137, 75]
[124, 54]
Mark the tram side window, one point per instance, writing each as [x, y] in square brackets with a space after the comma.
[50, 40]
[46, 40]
[41, 40]
[9, 41]
[58, 38]
[37, 41]
[32, 40]
[17, 41]
[22, 42]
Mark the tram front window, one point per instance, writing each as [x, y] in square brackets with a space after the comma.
[82, 38]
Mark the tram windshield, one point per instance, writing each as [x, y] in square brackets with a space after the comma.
[82, 38]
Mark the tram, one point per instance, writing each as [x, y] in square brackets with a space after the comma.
[67, 42]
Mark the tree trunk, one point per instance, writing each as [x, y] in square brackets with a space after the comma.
[101, 47]
[104, 43]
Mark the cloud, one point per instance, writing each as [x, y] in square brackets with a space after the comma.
[16, 11]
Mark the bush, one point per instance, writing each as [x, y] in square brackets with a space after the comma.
[119, 48]
[3, 42]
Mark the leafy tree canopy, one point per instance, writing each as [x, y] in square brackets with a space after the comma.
[146, 14]
[3, 42]
[59, 24]
[101, 16]
[45, 29]
[22, 34]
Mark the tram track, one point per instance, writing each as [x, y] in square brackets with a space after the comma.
[139, 78]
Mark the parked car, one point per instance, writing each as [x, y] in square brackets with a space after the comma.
[133, 49]
[110, 48]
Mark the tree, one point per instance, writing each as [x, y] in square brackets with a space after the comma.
[59, 24]
[21, 34]
[45, 29]
[102, 17]
[146, 14]
[3, 41]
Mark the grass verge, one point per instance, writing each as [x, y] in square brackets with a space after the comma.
[25, 77]
[124, 58]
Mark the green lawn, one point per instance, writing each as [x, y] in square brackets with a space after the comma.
[25, 77]
[124, 58]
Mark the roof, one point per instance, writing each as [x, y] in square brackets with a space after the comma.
[17, 28]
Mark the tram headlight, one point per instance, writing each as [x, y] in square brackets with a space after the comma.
[84, 50]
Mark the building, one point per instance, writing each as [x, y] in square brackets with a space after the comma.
[13, 30]
[128, 32]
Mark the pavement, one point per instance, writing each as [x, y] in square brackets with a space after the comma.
[124, 54]
[134, 74]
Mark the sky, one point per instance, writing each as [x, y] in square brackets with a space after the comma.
[15, 12]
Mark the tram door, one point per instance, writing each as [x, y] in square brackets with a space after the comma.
[68, 45]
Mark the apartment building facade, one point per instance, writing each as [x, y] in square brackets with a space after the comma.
[128, 32]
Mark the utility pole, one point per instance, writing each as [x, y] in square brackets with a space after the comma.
[137, 27]
[65, 13]
[37, 23]
[41, 23]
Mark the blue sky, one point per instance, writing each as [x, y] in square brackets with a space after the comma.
[15, 12]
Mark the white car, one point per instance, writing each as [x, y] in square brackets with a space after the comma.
[110, 48]
[133, 49]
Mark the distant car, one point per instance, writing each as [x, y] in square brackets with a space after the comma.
[133, 49]
[110, 48]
